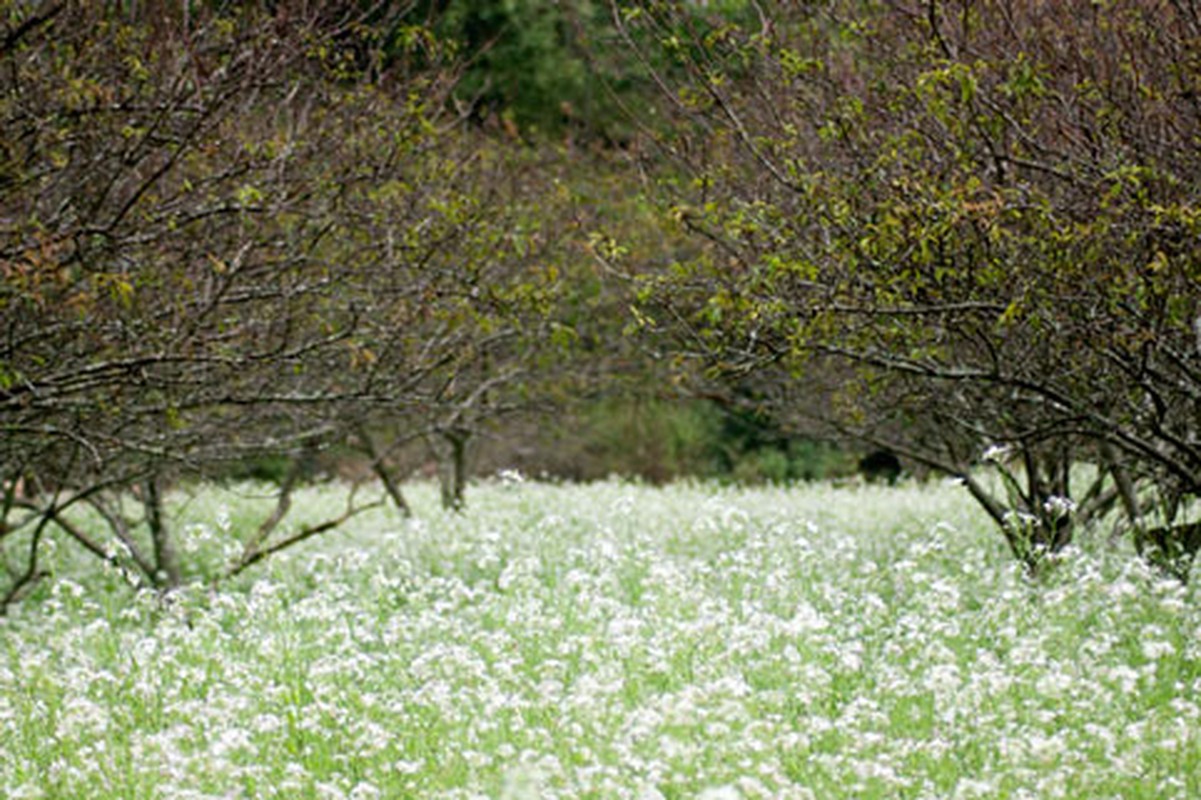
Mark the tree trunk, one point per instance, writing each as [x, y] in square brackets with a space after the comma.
[32, 573]
[1127, 492]
[381, 471]
[454, 470]
[166, 561]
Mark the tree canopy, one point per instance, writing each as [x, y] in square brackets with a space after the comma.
[975, 223]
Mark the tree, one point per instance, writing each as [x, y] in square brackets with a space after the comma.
[468, 326]
[186, 279]
[974, 222]
[253, 233]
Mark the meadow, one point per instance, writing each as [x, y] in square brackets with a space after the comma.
[611, 641]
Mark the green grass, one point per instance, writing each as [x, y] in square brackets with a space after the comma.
[611, 641]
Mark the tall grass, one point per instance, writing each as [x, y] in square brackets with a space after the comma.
[613, 641]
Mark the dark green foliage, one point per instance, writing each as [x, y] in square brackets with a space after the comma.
[880, 466]
[532, 67]
[662, 440]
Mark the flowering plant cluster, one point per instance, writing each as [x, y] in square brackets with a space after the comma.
[615, 641]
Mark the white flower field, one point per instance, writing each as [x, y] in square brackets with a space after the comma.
[611, 641]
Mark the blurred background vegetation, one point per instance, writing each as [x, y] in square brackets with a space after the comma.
[559, 76]
[661, 440]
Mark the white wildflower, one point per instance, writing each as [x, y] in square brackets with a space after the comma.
[365, 791]
[1156, 649]
[1057, 507]
[996, 453]
[523, 782]
[1019, 520]
[966, 788]
[510, 477]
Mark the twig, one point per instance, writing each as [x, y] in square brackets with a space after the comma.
[252, 557]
